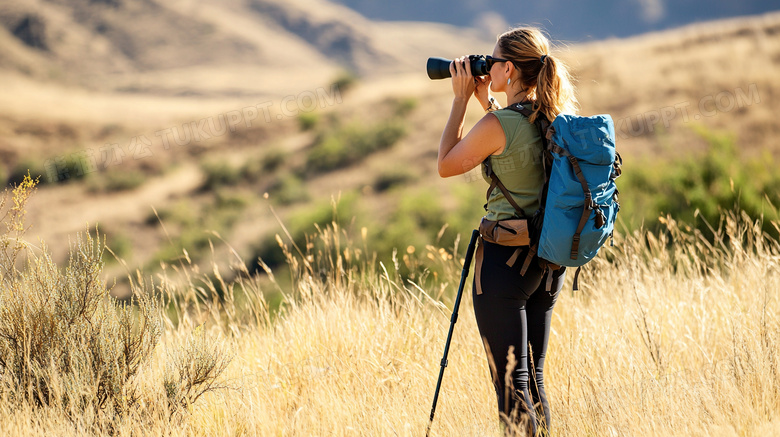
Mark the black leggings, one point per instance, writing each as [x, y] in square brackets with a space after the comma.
[513, 311]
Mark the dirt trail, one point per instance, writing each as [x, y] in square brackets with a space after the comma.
[57, 213]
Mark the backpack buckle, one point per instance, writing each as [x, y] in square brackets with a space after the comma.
[600, 218]
[589, 204]
[575, 246]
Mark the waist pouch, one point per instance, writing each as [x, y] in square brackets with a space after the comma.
[511, 232]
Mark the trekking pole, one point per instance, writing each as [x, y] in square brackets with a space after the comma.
[464, 274]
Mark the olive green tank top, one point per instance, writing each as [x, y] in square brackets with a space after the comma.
[518, 167]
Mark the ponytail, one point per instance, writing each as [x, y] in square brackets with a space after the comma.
[554, 91]
[546, 77]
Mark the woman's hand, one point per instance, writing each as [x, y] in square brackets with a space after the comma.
[463, 85]
[482, 91]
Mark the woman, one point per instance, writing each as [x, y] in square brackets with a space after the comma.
[512, 310]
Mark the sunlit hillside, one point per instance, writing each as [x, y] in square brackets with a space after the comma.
[241, 136]
[262, 111]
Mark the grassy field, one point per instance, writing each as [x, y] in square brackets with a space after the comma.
[671, 335]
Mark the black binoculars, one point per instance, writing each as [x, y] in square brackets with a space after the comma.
[439, 68]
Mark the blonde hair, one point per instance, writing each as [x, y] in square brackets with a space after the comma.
[547, 79]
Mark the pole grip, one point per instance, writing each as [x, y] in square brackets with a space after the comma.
[470, 250]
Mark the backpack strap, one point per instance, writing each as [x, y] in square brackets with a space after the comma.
[545, 132]
[587, 207]
[495, 182]
[576, 284]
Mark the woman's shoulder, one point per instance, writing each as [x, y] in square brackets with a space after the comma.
[513, 122]
[507, 112]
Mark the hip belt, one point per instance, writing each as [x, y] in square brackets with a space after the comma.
[511, 232]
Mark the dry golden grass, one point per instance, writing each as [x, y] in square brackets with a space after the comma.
[672, 335]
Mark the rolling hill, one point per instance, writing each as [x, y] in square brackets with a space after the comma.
[155, 85]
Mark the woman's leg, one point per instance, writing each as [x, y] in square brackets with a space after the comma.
[501, 317]
[539, 308]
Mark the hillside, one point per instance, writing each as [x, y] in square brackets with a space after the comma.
[208, 48]
[72, 90]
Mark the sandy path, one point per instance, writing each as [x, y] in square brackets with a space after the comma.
[57, 213]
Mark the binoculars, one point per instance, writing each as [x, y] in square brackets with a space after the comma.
[439, 68]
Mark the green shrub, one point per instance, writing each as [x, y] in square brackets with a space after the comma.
[329, 153]
[230, 200]
[699, 186]
[392, 178]
[32, 167]
[70, 167]
[257, 169]
[124, 180]
[116, 180]
[416, 221]
[308, 120]
[386, 134]
[349, 144]
[345, 81]
[180, 213]
[273, 159]
[405, 106]
[219, 173]
[288, 190]
[120, 245]
[305, 223]
[190, 227]
[341, 210]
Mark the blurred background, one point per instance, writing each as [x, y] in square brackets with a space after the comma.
[188, 124]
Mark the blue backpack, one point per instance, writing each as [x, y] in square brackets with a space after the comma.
[579, 199]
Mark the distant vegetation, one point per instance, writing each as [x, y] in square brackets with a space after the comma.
[345, 145]
[345, 81]
[697, 188]
[116, 180]
[393, 177]
[190, 225]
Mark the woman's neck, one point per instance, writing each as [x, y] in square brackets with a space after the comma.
[516, 98]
